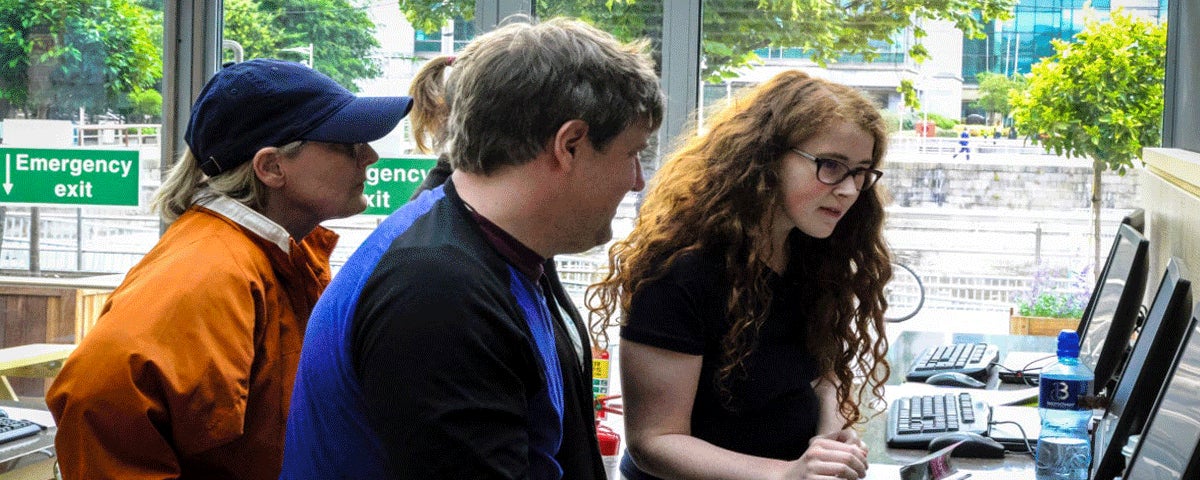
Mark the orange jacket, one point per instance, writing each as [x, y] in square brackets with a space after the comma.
[188, 373]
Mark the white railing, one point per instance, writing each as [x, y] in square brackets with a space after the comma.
[133, 134]
[110, 243]
[943, 291]
[125, 134]
[946, 145]
[113, 244]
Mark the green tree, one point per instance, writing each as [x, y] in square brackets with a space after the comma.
[994, 91]
[60, 55]
[825, 29]
[342, 35]
[147, 103]
[253, 28]
[1100, 96]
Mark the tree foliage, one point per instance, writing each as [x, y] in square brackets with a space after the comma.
[342, 35]
[1099, 96]
[994, 90]
[733, 30]
[251, 27]
[60, 55]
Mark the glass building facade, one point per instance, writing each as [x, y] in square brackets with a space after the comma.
[1013, 46]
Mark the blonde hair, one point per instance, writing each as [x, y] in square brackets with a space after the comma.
[429, 113]
[185, 180]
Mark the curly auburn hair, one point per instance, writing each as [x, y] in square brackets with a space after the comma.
[718, 191]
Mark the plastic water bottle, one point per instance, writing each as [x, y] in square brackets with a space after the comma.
[1064, 450]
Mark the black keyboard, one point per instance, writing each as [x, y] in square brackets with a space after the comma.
[914, 421]
[973, 359]
[12, 429]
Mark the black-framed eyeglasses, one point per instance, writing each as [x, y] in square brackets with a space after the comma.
[833, 172]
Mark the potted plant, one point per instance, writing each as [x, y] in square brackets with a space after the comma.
[1049, 306]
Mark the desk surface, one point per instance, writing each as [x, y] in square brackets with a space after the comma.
[909, 344]
[886, 461]
[32, 354]
[19, 458]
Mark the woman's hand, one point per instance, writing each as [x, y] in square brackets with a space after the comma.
[848, 436]
[838, 455]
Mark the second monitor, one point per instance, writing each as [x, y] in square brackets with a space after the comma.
[1138, 385]
[1112, 311]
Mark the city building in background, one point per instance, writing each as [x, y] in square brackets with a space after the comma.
[947, 81]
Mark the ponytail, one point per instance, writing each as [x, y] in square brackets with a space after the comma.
[430, 112]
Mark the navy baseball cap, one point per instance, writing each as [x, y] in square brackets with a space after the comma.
[269, 103]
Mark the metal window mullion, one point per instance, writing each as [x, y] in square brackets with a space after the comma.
[489, 13]
[680, 68]
[191, 54]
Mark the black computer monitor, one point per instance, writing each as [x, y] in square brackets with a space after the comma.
[1112, 310]
[1144, 373]
[1136, 219]
[1168, 448]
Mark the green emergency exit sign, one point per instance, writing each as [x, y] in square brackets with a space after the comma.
[391, 181]
[70, 176]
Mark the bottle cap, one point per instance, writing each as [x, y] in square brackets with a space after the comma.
[1068, 343]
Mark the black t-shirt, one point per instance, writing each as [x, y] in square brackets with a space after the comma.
[773, 410]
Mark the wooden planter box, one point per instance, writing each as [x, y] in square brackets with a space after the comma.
[1045, 326]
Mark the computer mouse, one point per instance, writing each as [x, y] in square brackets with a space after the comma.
[954, 379]
[974, 445]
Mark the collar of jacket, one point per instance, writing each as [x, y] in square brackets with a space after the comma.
[246, 217]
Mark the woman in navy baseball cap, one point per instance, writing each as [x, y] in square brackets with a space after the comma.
[190, 368]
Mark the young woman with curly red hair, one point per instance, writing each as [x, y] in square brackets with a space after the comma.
[750, 291]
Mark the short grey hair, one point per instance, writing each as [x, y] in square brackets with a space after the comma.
[511, 89]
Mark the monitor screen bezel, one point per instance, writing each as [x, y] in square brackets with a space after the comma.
[1126, 312]
[1136, 219]
[1192, 468]
[1145, 371]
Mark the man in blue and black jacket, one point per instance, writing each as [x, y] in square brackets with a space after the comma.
[441, 349]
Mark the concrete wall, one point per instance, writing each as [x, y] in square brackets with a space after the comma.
[999, 185]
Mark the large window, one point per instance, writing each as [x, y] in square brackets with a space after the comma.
[95, 79]
[371, 48]
[964, 224]
[451, 38]
[1013, 46]
[79, 79]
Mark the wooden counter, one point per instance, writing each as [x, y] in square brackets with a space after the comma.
[48, 311]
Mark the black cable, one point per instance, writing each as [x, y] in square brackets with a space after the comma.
[1024, 372]
[1024, 436]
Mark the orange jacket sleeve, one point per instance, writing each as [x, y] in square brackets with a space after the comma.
[163, 375]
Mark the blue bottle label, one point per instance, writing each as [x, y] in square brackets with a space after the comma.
[1062, 394]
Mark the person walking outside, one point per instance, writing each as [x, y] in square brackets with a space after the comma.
[964, 145]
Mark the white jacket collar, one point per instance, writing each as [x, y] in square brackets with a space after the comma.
[244, 216]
